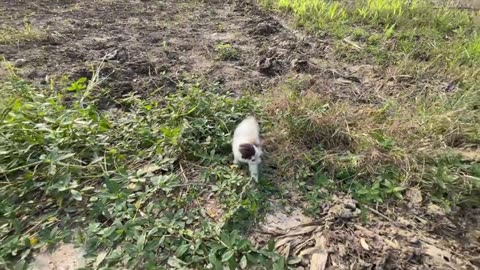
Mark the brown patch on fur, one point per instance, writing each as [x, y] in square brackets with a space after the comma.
[247, 150]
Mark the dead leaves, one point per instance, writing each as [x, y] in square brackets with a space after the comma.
[338, 241]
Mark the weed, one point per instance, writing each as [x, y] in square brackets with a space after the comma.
[226, 51]
[372, 156]
[24, 34]
[129, 183]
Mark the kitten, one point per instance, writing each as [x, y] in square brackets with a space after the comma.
[246, 145]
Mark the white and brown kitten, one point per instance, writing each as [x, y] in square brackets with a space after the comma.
[246, 145]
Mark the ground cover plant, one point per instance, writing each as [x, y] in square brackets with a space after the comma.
[121, 176]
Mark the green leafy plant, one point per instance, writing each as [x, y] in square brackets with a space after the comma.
[125, 184]
[226, 51]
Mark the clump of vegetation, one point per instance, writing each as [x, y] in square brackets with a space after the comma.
[378, 152]
[26, 33]
[131, 183]
[226, 51]
[415, 138]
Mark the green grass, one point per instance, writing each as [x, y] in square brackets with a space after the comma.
[391, 31]
[26, 33]
[226, 51]
[376, 153]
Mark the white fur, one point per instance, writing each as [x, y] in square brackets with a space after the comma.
[248, 132]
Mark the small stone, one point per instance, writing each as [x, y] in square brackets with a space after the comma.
[20, 62]
[435, 210]
[414, 241]
[414, 196]
[264, 29]
[475, 261]
[350, 204]
[345, 214]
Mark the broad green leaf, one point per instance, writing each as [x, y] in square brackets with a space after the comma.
[227, 255]
[217, 264]
[175, 262]
[141, 241]
[148, 169]
[181, 250]
[243, 262]
[76, 195]
[100, 257]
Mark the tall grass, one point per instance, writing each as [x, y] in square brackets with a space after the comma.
[415, 138]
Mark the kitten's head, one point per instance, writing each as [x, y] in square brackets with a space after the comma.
[251, 152]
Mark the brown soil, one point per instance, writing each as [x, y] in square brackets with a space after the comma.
[149, 46]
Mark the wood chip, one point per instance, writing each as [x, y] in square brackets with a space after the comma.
[364, 244]
[310, 251]
[301, 231]
[302, 245]
[392, 244]
[286, 250]
[283, 241]
[319, 260]
[366, 231]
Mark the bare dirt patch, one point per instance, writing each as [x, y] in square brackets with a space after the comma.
[65, 257]
[149, 46]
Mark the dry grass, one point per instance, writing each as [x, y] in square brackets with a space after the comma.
[27, 33]
[403, 141]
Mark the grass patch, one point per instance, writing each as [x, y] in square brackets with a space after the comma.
[378, 152]
[411, 138]
[17, 35]
[390, 31]
[132, 183]
[226, 51]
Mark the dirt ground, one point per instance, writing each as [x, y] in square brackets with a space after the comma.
[153, 45]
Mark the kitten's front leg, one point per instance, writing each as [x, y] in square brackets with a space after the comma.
[235, 160]
[253, 171]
